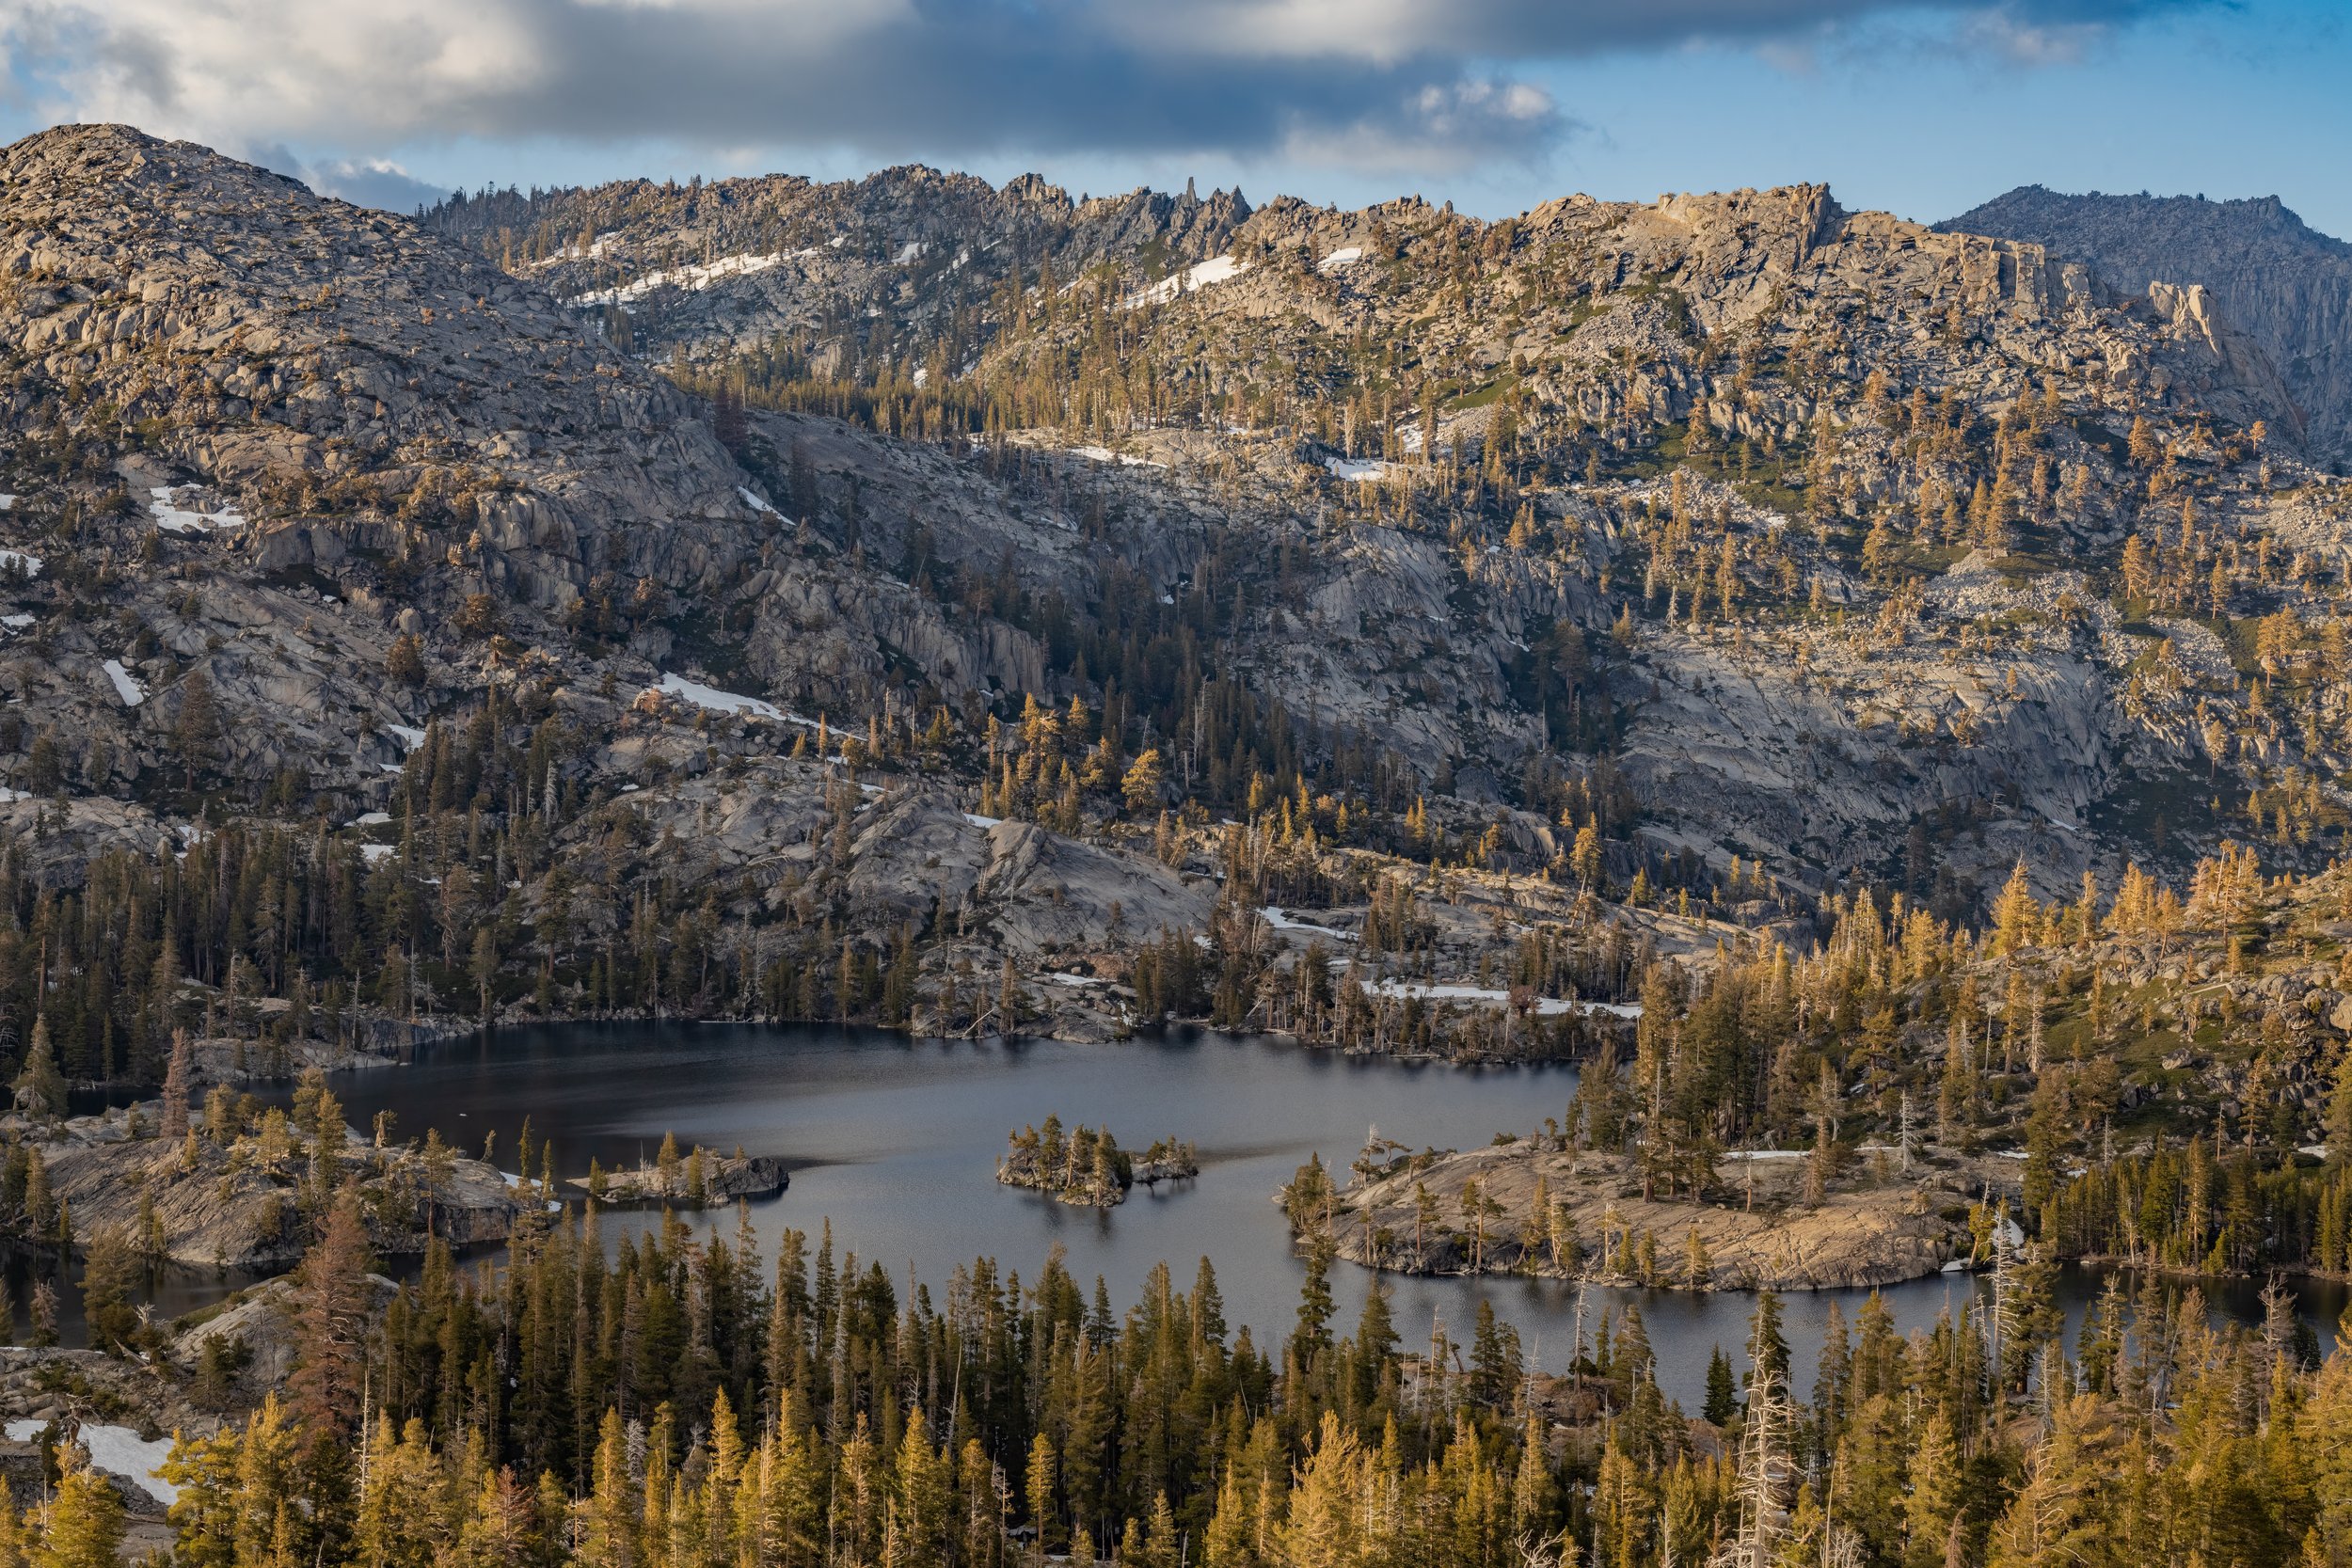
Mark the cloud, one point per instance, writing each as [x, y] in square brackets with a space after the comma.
[372, 182]
[1997, 35]
[1432, 83]
[377, 182]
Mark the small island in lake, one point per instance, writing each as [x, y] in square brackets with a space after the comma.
[1088, 1168]
[702, 1178]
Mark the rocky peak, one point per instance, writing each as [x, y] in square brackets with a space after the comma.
[2287, 286]
[328, 368]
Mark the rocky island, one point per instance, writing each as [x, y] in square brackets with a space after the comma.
[1087, 1168]
[702, 1177]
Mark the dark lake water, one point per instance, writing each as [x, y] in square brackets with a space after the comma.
[896, 1142]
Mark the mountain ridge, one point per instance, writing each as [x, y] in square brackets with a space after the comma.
[1714, 555]
[2287, 285]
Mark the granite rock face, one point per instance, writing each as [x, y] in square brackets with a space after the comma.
[2286, 286]
[240, 1208]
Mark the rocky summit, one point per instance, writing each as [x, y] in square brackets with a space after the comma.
[2273, 277]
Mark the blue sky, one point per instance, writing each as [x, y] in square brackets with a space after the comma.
[1495, 105]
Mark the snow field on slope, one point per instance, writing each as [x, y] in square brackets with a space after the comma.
[1217, 269]
[172, 519]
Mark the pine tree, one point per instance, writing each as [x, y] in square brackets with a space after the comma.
[109, 1272]
[1313, 1334]
[39, 1088]
[1040, 1495]
[175, 1120]
[2016, 915]
[332, 1309]
[1768, 1348]
[1141, 786]
[404, 664]
[1723, 1396]
[1937, 1483]
[196, 725]
[83, 1525]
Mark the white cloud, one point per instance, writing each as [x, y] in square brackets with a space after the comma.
[362, 181]
[1428, 83]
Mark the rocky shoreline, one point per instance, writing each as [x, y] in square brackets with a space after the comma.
[242, 1195]
[242, 1202]
[1531, 1207]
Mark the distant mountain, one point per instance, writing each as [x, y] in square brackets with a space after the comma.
[2287, 285]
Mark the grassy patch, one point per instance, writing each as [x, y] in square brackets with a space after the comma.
[1482, 396]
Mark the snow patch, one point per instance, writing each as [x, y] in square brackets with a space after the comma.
[373, 853]
[756, 503]
[116, 1451]
[1281, 922]
[7, 503]
[1347, 256]
[701, 275]
[1217, 269]
[369, 820]
[908, 252]
[978, 821]
[178, 519]
[1105, 455]
[1545, 1007]
[19, 558]
[410, 739]
[1357, 467]
[127, 686]
[717, 701]
[17, 621]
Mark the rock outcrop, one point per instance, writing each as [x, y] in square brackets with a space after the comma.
[1597, 1225]
[240, 1205]
[2286, 286]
